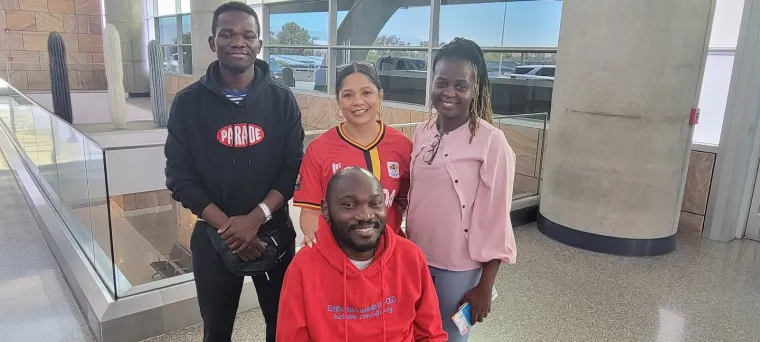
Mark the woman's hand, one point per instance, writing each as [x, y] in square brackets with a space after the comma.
[480, 303]
[309, 238]
[309, 224]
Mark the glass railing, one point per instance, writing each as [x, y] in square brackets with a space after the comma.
[70, 169]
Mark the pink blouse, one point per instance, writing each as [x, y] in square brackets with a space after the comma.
[459, 204]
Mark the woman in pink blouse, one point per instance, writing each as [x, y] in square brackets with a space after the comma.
[462, 173]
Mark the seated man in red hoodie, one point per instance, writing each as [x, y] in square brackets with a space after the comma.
[360, 282]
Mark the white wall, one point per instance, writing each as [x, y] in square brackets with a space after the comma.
[135, 170]
[92, 107]
[129, 138]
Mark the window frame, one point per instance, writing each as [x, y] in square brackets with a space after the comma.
[178, 14]
[333, 48]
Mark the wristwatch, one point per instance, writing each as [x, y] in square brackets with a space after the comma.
[267, 212]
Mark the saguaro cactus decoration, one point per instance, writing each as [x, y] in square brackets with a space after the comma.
[157, 84]
[59, 77]
[114, 76]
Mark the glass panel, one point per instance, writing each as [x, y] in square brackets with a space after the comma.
[151, 29]
[299, 24]
[171, 61]
[187, 60]
[398, 23]
[520, 82]
[403, 74]
[72, 177]
[149, 13]
[501, 23]
[101, 230]
[714, 94]
[167, 30]
[518, 129]
[42, 154]
[300, 68]
[185, 29]
[185, 6]
[166, 7]
[151, 233]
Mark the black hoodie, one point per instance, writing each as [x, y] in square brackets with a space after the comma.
[232, 154]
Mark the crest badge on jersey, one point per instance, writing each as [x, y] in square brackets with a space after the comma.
[393, 170]
[336, 167]
[298, 182]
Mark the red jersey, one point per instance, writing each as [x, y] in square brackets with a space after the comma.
[387, 157]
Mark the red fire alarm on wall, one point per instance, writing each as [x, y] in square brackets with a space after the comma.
[694, 116]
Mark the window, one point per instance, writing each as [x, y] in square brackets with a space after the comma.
[518, 38]
[298, 24]
[175, 37]
[383, 23]
[171, 29]
[521, 83]
[501, 23]
[403, 73]
[304, 69]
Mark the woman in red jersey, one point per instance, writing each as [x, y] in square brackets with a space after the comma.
[362, 140]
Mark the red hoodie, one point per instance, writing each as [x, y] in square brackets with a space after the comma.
[393, 298]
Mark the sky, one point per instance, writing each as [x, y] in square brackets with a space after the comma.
[509, 24]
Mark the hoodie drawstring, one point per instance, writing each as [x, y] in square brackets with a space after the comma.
[345, 302]
[382, 297]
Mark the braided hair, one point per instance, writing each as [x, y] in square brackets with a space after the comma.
[467, 50]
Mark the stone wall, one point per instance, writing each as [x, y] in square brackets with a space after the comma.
[23, 42]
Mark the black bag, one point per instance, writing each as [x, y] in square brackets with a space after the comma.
[278, 240]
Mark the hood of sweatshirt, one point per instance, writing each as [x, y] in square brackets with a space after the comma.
[261, 79]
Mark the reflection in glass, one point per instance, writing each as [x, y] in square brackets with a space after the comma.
[171, 58]
[72, 177]
[383, 23]
[403, 74]
[299, 68]
[187, 60]
[520, 82]
[185, 30]
[299, 24]
[43, 155]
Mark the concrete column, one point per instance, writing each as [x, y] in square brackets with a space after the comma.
[128, 16]
[628, 73]
[201, 16]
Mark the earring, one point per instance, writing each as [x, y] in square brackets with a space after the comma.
[339, 115]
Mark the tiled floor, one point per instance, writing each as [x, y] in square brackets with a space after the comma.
[35, 301]
[705, 291]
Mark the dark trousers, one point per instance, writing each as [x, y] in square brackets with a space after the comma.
[219, 290]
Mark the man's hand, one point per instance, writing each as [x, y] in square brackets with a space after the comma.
[480, 303]
[254, 252]
[241, 235]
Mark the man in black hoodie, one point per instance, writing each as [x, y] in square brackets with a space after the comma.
[233, 152]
